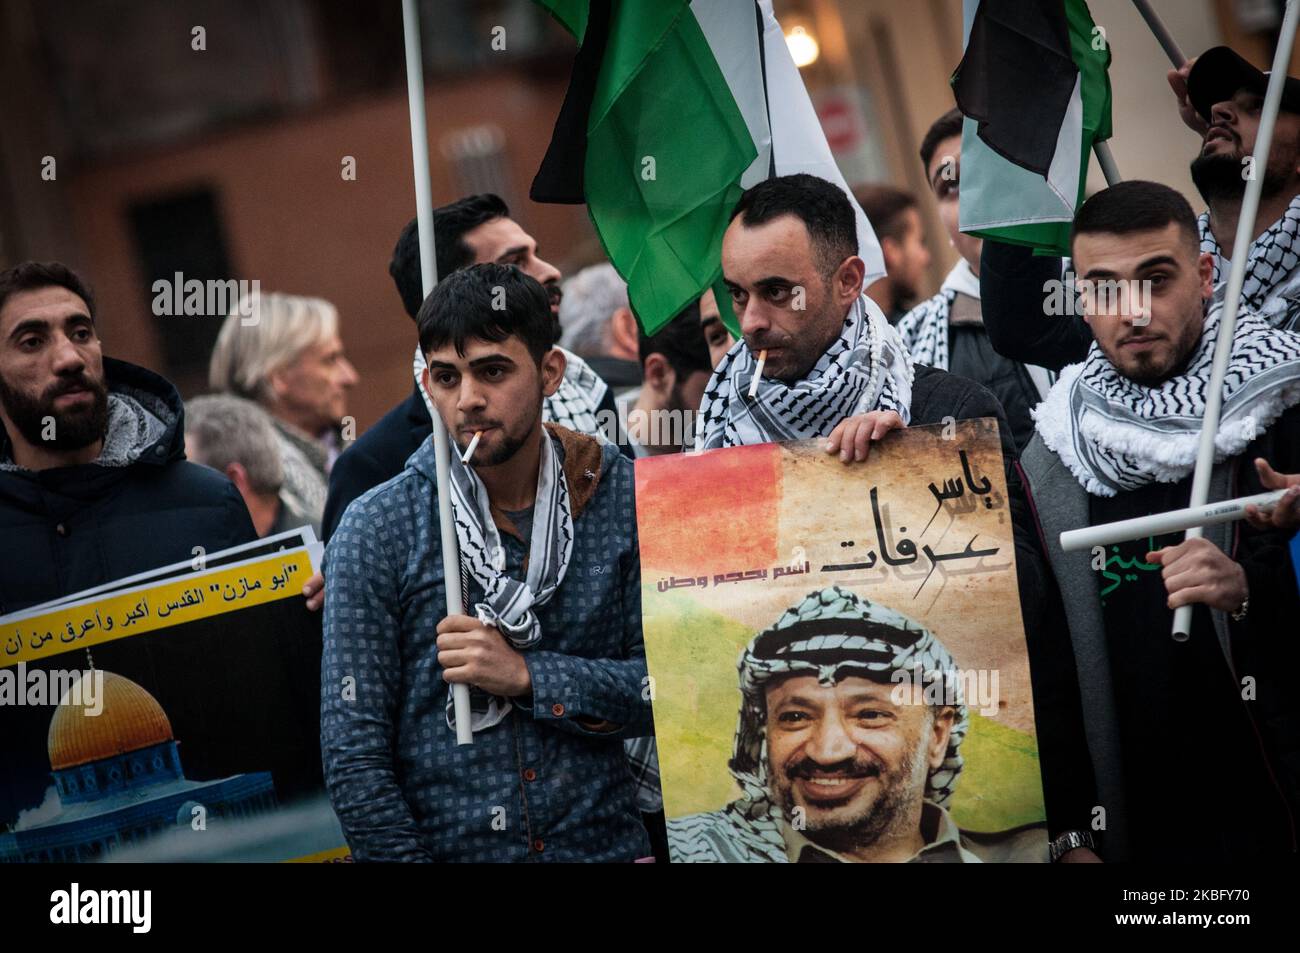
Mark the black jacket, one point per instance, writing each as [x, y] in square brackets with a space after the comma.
[72, 528]
[971, 354]
[1068, 787]
[1015, 310]
[378, 455]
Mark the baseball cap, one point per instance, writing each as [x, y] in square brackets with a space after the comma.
[1218, 73]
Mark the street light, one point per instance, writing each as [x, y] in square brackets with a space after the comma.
[803, 46]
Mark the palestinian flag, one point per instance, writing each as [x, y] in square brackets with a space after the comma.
[673, 109]
[1036, 96]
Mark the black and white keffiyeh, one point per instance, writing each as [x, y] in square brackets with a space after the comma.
[576, 401]
[1115, 435]
[867, 368]
[924, 329]
[833, 634]
[508, 603]
[1271, 287]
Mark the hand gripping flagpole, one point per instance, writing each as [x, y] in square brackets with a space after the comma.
[1232, 295]
[429, 278]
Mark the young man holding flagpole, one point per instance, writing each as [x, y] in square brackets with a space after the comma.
[545, 526]
[1117, 438]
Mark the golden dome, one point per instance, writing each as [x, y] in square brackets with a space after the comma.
[131, 719]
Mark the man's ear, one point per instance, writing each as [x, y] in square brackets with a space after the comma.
[553, 365]
[237, 475]
[276, 384]
[940, 730]
[1205, 272]
[847, 283]
[658, 374]
[426, 382]
[623, 337]
[891, 250]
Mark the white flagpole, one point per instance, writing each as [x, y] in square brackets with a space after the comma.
[1101, 149]
[1172, 521]
[429, 278]
[1232, 300]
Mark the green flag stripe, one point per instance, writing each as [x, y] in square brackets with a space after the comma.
[666, 148]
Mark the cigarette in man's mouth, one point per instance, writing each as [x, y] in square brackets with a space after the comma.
[758, 373]
[473, 445]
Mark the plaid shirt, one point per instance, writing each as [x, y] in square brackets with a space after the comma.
[538, 786]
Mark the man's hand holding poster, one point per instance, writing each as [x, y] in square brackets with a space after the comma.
[837, 656]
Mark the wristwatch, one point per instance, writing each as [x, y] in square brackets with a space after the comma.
[1239, 614]
[1070, 840]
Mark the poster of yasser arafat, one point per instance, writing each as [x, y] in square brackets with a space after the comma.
[836, 653]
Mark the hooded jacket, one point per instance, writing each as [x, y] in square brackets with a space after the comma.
[140, 505]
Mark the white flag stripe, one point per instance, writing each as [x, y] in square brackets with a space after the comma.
[731, 29]
[793, 132]
[798, 141]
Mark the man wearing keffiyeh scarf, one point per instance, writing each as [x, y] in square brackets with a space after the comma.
[1117, 438]
[550, 638]
[832, 365]
[848, 745]
[1219, 96]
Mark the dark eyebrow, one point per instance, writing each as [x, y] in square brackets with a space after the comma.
[705, 322]
[511, 252]
[773, 281]
[801, 701]
[41, 324]
[1157, 260]
[1152, 262]
[497, 358]
[492, 359]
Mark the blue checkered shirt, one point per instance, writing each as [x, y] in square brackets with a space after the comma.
[539, 785]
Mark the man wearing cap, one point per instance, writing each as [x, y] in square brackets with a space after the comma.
[839, 759]
[1220, 96]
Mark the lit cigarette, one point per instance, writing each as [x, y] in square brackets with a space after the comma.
[758, 373]
[473, 445]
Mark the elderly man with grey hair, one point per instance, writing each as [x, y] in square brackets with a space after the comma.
[838, 758]
[597, 324]
[236, 437]
[284, 352]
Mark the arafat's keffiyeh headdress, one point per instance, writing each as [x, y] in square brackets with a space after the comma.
[833, 634]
